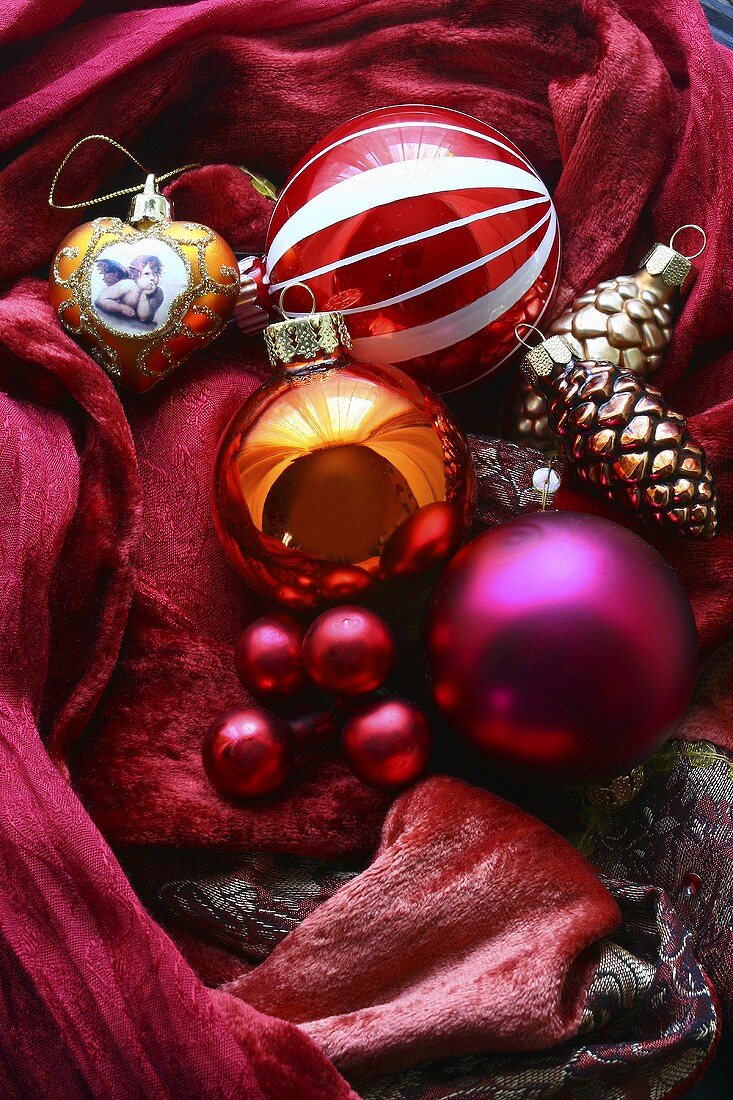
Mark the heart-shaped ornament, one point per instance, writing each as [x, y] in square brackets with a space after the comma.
[142, 295]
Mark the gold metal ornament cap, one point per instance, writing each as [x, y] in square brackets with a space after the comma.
[294, 342]
[541, 361]
[672, 267]
[149, 206]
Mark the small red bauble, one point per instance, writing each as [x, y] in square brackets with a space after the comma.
[387, 743]
[431, 535]
[562, 644]
[429, 230]
[267, 657]
[248, 752]
[348, 651]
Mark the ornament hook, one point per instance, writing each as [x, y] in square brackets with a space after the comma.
[702, 233]
[546, 480]
[530, 328]
[289, 316]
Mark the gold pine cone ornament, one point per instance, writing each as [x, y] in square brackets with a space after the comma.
[626, 321]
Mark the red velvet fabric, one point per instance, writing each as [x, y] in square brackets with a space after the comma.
[427, 953]
[118, 610]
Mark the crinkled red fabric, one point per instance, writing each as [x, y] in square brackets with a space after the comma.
[96, 1001]
[118, 609]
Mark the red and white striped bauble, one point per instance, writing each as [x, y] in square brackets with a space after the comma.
[428, 230]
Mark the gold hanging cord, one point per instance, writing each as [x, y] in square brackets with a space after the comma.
[112, 194]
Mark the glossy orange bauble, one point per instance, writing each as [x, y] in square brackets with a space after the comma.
[325, 474]
[141, 300]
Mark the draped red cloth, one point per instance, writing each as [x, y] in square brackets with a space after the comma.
[117, 608]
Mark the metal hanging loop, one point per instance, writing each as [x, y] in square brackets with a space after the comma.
[290, 286]
[701, 249]
[530, 328]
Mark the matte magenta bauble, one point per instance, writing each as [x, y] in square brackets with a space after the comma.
[248, 752]
[562, 644]
[429, 230]
[348, 651]
[387, 743]
[267, 657]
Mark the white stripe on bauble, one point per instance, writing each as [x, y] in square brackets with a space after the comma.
[449, 276]
[391, 182]
[404, 124]
[396, 347]
[507, 208]
[513, 351]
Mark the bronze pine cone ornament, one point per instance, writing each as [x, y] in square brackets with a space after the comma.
[623, 438]
[527, 415]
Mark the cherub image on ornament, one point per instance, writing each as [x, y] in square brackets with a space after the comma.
[133, 290]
